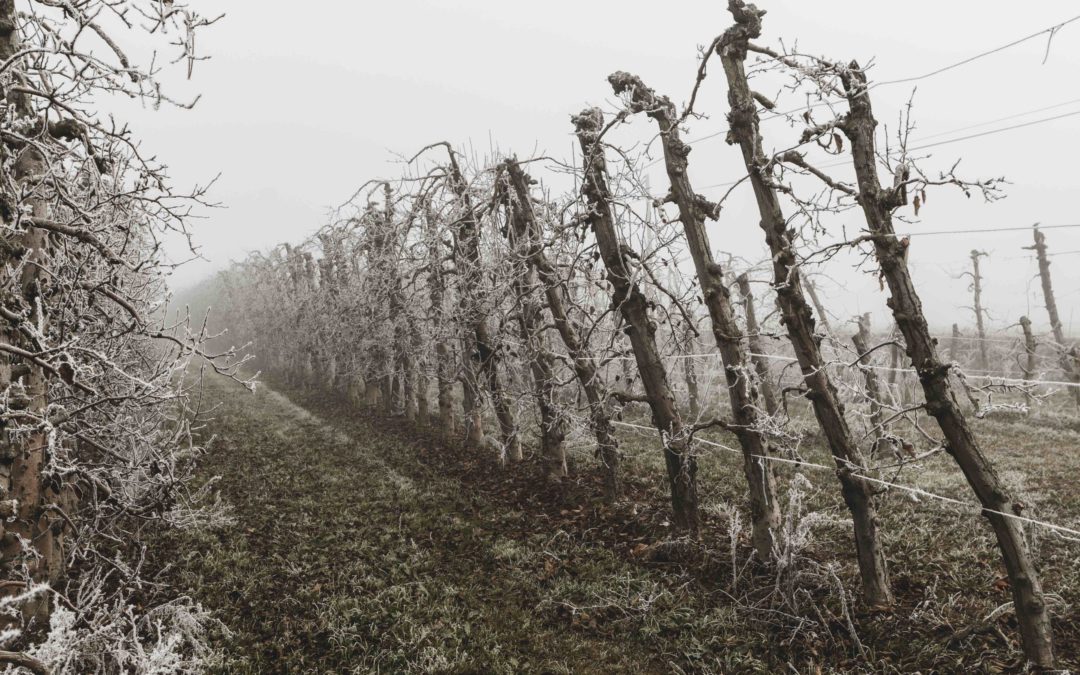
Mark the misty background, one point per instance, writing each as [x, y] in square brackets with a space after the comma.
[298, 109]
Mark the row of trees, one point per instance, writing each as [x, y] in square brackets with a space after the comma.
[473, 273]
[96, 440]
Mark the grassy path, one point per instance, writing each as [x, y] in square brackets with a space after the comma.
[349, 556]
[359, 547]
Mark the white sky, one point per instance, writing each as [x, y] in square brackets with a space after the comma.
[302, 105]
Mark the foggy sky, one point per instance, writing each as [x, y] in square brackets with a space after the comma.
[301, 106]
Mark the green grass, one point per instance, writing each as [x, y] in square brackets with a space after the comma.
[364, 545]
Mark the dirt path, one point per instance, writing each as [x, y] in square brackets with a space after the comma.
[350, 556]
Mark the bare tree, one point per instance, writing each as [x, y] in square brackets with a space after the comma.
[757, 348]
[744, 122]
[530, 317]
[484, 351]
[95, 426]
[585, 364]
[976, 291]
[1067, 354]
[746, 411]
[878, 204]
[628, 298]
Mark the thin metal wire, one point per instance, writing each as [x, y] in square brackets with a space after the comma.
[1061, 529]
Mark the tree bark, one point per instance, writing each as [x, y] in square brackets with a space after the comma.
[745, 401]
[1066, 354]
[862, 340]
[627, 297]
[1029, 348]
[486, 354]
[528, 231]
[878, 204]
[690, 375]
[797, 318]
[757, 348]
[976, 289]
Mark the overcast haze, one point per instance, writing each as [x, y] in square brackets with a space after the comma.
[300, 107]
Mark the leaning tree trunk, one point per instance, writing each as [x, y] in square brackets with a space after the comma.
[878, 204]
[541, 361]
[757, 348]
[747, 422]
[627, 296]
[811, 290]
[797, 318]
[1066, 356]
[527, 230]
[486, 353]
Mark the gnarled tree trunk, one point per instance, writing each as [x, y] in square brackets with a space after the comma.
[628, 298]
[795, 312]
[483, 347]
[1066, 353]
[742, 390]
[878, 204]
[527, 230]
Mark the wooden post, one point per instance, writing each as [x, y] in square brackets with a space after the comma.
[954, 344]
[29, 538]
[1029, 348]
[976, 289]
[688, 348]
[862, 340]
[811, 290]
[1066, 357]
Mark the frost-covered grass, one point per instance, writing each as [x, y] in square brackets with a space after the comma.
[348, 556]
[359, 546]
